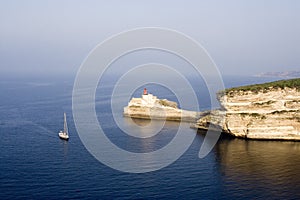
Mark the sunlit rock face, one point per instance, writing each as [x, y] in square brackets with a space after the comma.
[150, 107]
[265, 114]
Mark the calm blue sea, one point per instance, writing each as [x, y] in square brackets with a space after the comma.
[36, 164]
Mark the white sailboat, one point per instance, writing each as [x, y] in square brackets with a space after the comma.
[64, 134]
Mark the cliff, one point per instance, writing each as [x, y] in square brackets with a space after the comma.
[264, 111]
[150, 107]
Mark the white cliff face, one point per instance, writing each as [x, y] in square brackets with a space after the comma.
[268, 114]
[150, 107]
[261, 102]
[273, 114]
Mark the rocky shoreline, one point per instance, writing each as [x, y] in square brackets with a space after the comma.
[268, 111]
[267, 114]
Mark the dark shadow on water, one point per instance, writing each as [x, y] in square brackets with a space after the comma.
[141, 122]
[270, 168]
[223, 136]
[257, 168]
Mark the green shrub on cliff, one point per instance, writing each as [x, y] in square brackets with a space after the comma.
[291, 83]
[168, 103]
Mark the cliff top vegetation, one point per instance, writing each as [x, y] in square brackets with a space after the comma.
[291, 83]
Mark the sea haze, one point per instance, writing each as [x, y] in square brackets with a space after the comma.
[36, 164]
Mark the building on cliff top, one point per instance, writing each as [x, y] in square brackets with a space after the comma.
[146, 100]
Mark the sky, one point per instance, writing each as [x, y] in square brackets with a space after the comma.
[242, 37]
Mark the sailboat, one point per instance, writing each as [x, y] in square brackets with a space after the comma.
[64, 134]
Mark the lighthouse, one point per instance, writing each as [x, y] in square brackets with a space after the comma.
[147, 98]
[145, 91]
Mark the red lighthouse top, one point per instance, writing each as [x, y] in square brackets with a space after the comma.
[145, 91]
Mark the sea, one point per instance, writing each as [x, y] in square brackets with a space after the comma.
[36, 164]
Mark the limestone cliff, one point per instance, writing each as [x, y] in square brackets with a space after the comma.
[263, 113]
[150, 107]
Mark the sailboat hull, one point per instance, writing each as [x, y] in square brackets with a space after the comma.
[63, 136]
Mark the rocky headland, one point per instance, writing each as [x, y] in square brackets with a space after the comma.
[151, 107]
[263, 111]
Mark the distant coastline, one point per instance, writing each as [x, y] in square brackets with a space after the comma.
[284, 74]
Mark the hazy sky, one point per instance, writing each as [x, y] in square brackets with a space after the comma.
[243, 37]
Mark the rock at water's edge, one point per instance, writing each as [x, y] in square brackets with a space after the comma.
[150, 107]
[265, 114]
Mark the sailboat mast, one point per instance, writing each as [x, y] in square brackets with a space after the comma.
[65, 124]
